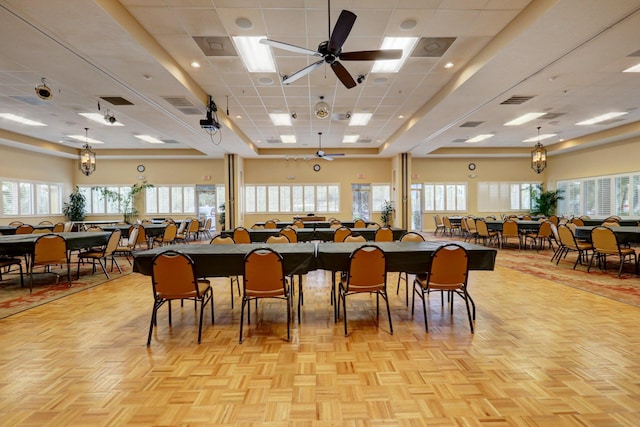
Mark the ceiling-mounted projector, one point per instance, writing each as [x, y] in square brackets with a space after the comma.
[211, 122]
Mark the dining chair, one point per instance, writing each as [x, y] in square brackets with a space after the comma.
[58, 228]
[270, 224]
[448, 272]
[174, 278]
[383, 234]
[485, 234]
[367, 274]
[449, 226]
[46, 222]
[570, 244]
[278, 239]
[143, 238]
[471, 228]
[205, 230]
[291, 234]
[340, 234]
[24, 229]
[359, 223]
[334, 223]
[556, 237]
[127, 247]
[5, 267]
[510, 231]
[605, 244]
[15, 223]
[241, 235]
[354, 238]
[538, 238]
[190, 231]
[48, 250]
[373, 225]
[169, 235]
[264, 277]
[298, 223]
[437, 220]
[410, 236]
[577, 221]
[257, 227]
[227, 240]
[102, 255]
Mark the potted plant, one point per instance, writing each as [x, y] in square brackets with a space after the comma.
[221, 216]
[125, 202]
[386, 213]
[74, 209]
[544, 202]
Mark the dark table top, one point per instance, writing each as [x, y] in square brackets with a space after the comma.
[522, 225]
[623, 222]
[625, 234]
[309, 234]
[11, 229]
[152, 230]
[19, 244]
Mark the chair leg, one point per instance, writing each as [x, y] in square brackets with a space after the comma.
[466, 300]
[244, 302]
[386, 299]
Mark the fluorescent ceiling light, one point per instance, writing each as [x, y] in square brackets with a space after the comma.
[349, 139]
[393, 65]
[288, 139]
[540, 138]
[602, 118]
[257, 57]
[280, 119]
[21, 120]
[150, 139]
[481, 137]
[99, 118]
[83, 138]
[634, 69]
[360, 119]
[524, 119]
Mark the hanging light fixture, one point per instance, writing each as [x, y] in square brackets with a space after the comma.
[87, 156]
[322, 109]
[539, 156]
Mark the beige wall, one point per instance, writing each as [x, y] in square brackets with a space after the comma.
[343, 171]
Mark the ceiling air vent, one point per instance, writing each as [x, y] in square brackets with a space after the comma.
[116, 100]
[517, 100]
[470, 124]
[432, 47]
[551, 116]
[178, 101]
[216, 46]
[169, 141]
[191, 111]
[459, 140]
[364, 141]
[273, 141]
[636, 53]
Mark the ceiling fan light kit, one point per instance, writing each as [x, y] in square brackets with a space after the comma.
[322, 109]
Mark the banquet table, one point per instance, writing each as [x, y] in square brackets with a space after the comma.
[523, 225]
[20, 244]
[625, 234]
[314, 224]
[6, 230]
[152, 230]
[258, 236]
[623, 222]
[309, 234]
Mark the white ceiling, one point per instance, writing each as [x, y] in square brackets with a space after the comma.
[567, 54]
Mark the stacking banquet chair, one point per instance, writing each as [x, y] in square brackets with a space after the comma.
[543, 234]
[373, 225]
[264, 278]
[241, 235]
[510, 231]
[383, 234]
[569, 243]
[437, 220]
[298, 223]
[169, 235]
[143, 239]
[340, 234]
[449, 226]
[190, 232]
[577, 221]
[174, 278]
[291, 234]
[58, 228]
[16, 223]
[24, 229]
[46, 222]
[205, 230]
[485, 234]
[556, 237]
[126, 248]
[448, 272]
[354, 238]
[5, 267]
[102, 255]
[367, 274]
[359, 223]
[334, 223]
[181, 231]
[227, 240]
[410, 236]
[605, 243]
[278, 239]
[270, 224]
[48, 250]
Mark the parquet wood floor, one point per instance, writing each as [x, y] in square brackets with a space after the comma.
[542, 355]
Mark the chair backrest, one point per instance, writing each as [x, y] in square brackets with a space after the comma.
[383, 234]
[510, 228]
[207, 224]
[298, 223]
[374, 225]
[412, 236]
[142, 235]
[471, 224]
[335, 224]
[58, 228]
[554, 231]
[278, 239]
[170, 232]
[241, 235]
[68, 226]
[545, 229]
[553, 219]
[604, 239]
[270, 224]
[94, 229]
[571, 227]
[449, 265]
[481, 228]
[526, 217]
[45, 222]
[612, 218]
[446, 221]
[15, 223]
[50, 248]
[263, 273]
[583, 217]
[291, 234]
[359, 223]
[24, 229]
[194, 226]
[340, 234]
[611, 224]
[222, 240]
[577, 221]
[173, 275]
[367, 270]
[42, 231]
[438, 220]
[257, 227]
[566, 237]
[113, 242]
[355, 238]
[183, 225]
[133, 236]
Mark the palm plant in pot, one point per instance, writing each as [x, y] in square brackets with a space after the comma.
[125, 201]
[544, 202]
[386, 213]
[74, 209]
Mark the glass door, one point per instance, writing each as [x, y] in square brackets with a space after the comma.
[416, 207]
[206, 204]
[360, 194]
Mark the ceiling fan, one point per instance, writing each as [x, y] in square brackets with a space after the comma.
[321, 154]
[331, 50]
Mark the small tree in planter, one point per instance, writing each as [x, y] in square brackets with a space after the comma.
[386, 213]
[74, 209]
[221, 216]
[125, 202]
[544, 202]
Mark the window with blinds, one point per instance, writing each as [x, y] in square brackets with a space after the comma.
[21, 198]
[441, 197]
[302, 198]
[505, 196]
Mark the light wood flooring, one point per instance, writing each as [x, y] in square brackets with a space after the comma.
[542, 354]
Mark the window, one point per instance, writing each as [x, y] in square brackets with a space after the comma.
[445, 197]
[380, 193]
[20, 198]
[170, 199]
[601, 196]
[303, 198]
[505, 196]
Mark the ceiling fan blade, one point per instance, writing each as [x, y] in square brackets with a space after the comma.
[327, 158]
[334, 155]
[371, 55]
[343, 75]
[306, 70]
[341, 30]
[289, 47]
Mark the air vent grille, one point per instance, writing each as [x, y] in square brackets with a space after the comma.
[170, 141]
[517, 100]
[470, 124]
[432, 47]
[116, 100]
[193, 111]
[551, 116]
[364, 141]
[636, 53]
[273, 141]
[216, 46]
[459, 140]
[178, 101]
